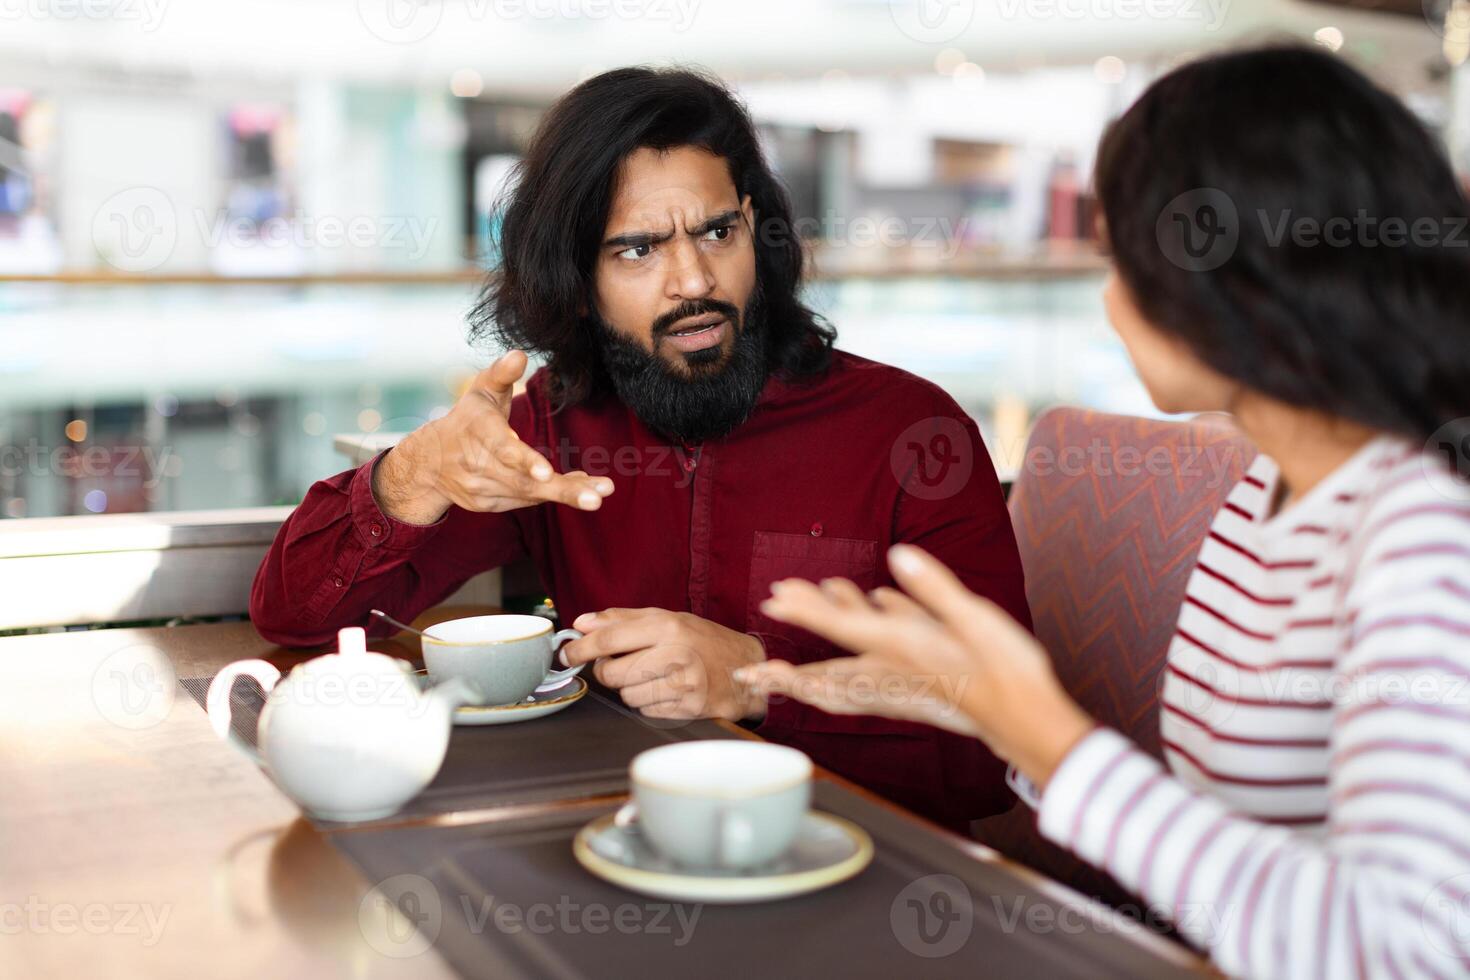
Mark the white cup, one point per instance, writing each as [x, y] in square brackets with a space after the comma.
[728, 805]
[505, 657]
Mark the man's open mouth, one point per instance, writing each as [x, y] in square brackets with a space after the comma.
[699, 325]
[698, 333]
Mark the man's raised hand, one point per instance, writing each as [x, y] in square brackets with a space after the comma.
[472, 458]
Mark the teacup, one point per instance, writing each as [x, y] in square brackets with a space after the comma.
[728, 805]
[505, 657]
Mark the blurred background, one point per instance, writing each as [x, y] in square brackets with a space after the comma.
[235, 237]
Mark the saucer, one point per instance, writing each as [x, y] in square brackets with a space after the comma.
[535, 706]
[827, 850]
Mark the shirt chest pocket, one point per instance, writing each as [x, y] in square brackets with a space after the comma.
[776, 555]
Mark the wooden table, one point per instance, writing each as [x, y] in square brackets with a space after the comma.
[135, 841]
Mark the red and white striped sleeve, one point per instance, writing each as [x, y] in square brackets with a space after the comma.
[1384, 889]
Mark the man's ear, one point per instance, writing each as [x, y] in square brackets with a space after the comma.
[749, 211]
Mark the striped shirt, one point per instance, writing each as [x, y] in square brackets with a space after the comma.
[1314, 819]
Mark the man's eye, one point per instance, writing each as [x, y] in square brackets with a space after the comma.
[720, 234]
[636, 252]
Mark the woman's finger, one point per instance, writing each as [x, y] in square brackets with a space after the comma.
[976, 620]
[844, 594]
[816, 684]
[895, 602]
[800, 603]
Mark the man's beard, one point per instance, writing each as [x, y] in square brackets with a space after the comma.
[708, 401]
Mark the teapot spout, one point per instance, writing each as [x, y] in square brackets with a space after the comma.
[456, 693]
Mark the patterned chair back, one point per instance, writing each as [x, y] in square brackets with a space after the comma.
[1110, 512]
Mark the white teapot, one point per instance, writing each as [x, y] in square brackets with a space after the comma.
[349, 736]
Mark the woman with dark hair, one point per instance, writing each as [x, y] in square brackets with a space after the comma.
[1289, 245]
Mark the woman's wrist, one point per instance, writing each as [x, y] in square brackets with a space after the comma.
[1037, 730]
[1057, 733]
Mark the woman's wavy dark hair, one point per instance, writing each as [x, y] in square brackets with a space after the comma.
[556, 214]
[1354, 326]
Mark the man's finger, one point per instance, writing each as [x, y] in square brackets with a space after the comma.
[683, 708]
[640, 667]
[589, 621]
[521, 458]
[625, 637]
[498, 380]
[655, 691]
[578, 492]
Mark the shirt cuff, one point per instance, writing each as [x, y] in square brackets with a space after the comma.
[376, 529]
[1088, 792]
[781, 712]
[1025, 789]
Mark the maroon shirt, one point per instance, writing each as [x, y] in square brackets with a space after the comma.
[822, 478]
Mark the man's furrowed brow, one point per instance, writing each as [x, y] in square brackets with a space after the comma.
[720, 220]
[633, 239]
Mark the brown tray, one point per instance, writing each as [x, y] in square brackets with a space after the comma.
[508, 899]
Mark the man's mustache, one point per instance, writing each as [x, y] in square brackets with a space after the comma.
[690, 308]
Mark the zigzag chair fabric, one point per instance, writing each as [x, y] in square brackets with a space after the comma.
[1110, 512]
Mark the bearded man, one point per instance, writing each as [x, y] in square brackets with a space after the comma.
[647, 254]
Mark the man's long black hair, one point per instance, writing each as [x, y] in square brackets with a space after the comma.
[556, 212]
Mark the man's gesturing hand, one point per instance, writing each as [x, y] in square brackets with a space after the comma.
[474, 459]
[669, 664]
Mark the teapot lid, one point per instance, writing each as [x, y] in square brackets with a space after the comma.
[351, 640]
[352, 655]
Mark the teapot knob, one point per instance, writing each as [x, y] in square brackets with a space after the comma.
[352, 641]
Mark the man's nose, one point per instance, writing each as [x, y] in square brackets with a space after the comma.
[689, 275]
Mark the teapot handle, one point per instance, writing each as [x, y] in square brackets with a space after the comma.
[217, 701]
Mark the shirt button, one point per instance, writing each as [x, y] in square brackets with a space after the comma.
[817, 530]
[375, 530]
[688, 464]
[337, 581]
